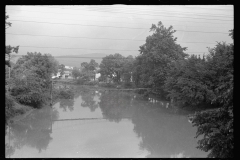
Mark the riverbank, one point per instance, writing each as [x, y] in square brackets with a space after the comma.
[19, 112]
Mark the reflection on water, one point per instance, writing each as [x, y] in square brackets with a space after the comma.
[67, 103]
[88, 100]
[34, 131]
[128, 126]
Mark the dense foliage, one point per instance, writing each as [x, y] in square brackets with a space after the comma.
[217, 125]
[31, 78]
[190, 81]
[187, 80]
[87, 72]
[9, 100]
[156, 54]
[61, 68]
[75, 72]
[111, 66]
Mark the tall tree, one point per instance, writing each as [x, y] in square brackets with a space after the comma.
[156, 54]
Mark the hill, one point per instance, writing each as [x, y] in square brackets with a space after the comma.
[76, 60]
[73, 60]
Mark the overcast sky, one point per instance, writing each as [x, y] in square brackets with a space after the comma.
[126, 22]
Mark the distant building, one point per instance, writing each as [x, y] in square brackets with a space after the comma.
[68, 67]
[97, 75]
[67, 74]
[57, 75]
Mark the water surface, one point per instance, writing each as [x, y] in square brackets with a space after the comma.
[103, 124]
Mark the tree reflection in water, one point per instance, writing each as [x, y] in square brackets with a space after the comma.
[164, 131]
[88, 100]
[66, 103]
[115, 105]
[34, 131]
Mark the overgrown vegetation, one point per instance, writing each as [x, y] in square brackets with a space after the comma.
[28, 82]
[31, 78]
[186, 80]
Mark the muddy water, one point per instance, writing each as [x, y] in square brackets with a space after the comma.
[103, 124]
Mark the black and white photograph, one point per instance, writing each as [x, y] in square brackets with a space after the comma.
[119, 81]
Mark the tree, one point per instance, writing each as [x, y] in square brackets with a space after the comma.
[84, 65]
[9, 49]
[8, 98]
[156, 54]
[62, 69]
[89, 69]
[75, 72]
[217, 125]
[92, 65]
[189, 82]
[31, 78]
[127, 70]
[112, 66]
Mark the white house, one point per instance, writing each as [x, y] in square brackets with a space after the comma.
[67, 74]
[68, 67]
[97, 75]
[56, 76]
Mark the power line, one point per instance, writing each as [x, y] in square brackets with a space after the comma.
[105, 16]
[78, 24]
[162, 11]
[84, 48]
[111, 26]
[134, 9]
[211, 8]
[104, 21]
[77, 48]
[95, 38]
[164, 15]
[73, 37]
[120, 7]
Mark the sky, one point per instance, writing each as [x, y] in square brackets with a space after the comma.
[78, 29]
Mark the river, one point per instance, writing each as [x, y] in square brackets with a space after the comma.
[103, 124]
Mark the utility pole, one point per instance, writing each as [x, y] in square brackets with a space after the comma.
[9, 70]
[9, 137]
[51, 93]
